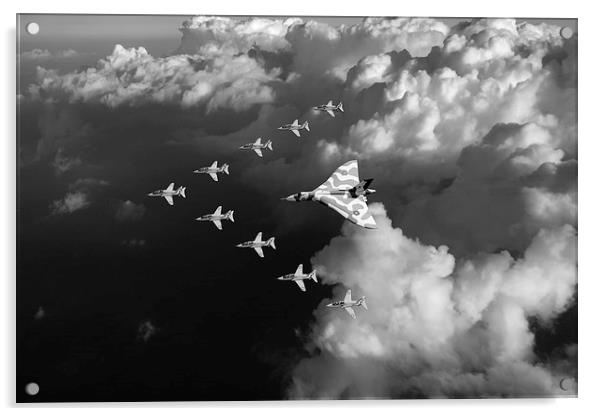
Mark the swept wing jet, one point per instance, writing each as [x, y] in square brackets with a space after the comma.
[295, 127]
[213, 170]
[169, 193]
[257, 244]
[344, 193]
[298, 277]
[348, 304]
[330, 108]
[257, 146]
[217, 217]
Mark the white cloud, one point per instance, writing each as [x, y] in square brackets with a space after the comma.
[78, 196]
[73, 201]
[131, 76]
[436, 326]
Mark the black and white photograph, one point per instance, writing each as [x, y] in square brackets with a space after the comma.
[315, 207]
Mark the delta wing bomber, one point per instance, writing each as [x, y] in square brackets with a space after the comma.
[344, 193]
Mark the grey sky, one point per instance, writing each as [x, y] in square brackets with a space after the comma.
[158, 33]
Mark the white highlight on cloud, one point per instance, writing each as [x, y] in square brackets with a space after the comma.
[490, 72]
[437, 326]
[131, 76]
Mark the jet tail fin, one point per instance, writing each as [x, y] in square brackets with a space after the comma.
[313, 276]
[230, 215]
[272, 242]
[225, 167]
[269, 145]
[182, 191]
[363, 302]
[340, 107]
[305, 125]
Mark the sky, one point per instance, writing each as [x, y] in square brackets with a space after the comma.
[467, 126]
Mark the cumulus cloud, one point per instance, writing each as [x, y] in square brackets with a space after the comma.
[437, 326]
[40, 313]
[134, 243]
[78, 196]
[45, 54]
[131, 76]
[129, 211]
[73, 201]
[146, 330]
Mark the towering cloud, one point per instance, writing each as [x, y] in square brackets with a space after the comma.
[436, 326]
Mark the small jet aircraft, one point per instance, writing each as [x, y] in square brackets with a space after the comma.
[257, 146]
[348, 304]
[344, 193]
[298, 277]
[257, 244]
[217, 217]
[295, 127]
[213, 170]
[330, 108]
[169, 193]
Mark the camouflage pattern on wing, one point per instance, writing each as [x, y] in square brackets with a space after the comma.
[354, 209]
[345, 177]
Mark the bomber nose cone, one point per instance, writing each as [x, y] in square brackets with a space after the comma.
[290, 198]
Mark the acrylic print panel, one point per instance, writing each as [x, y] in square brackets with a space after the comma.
[153, 150]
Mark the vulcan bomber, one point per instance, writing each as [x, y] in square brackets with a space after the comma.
[258, 244]
[213, 170]
[344, 193]
[348, 304]
[169, 193]
[298, 277]
[217, 217]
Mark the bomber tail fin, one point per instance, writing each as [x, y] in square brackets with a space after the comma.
[305, 125]
[269, 145]
[182, 191]
[230, 215]
[272, 242]
[363, 302]
[313, 276]
[340, 107]
[225, 167]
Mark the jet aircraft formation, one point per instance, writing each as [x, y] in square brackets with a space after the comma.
[343, 191]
